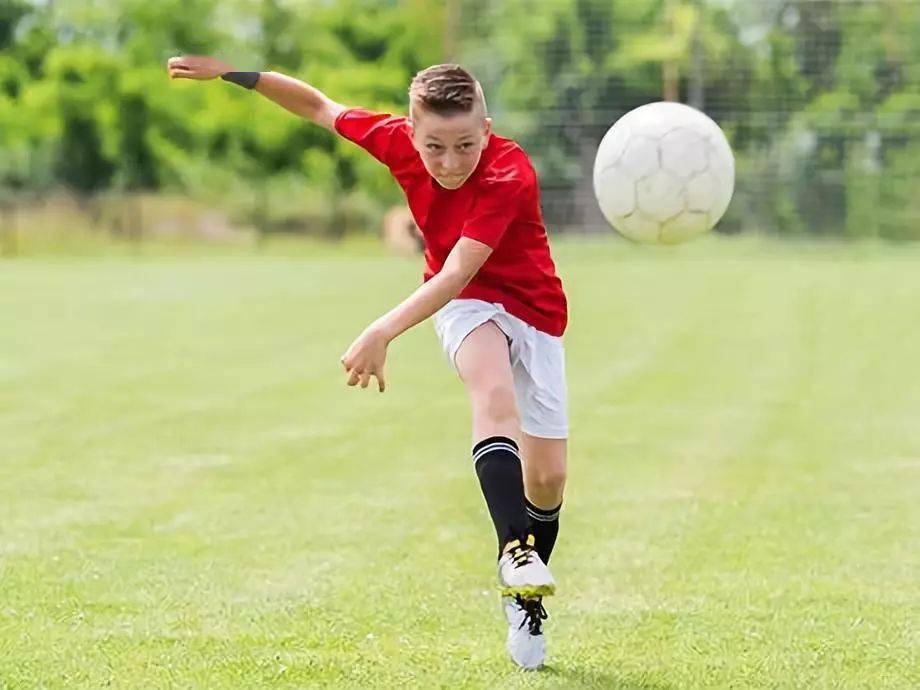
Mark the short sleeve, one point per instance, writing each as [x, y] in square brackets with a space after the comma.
[382, 135]
[497, 203]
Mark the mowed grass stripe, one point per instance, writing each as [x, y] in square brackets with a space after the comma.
[190, 496]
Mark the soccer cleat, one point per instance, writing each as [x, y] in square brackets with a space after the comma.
[521, 572]
[526, 644]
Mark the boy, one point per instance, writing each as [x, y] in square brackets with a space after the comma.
[491, 285]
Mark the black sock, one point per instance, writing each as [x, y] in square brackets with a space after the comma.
[545, 528]
[498, 467]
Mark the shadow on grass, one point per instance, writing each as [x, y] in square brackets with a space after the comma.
[569, 677]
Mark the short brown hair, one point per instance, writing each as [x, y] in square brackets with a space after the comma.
[446, 90]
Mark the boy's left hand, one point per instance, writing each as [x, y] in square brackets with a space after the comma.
[365, 358]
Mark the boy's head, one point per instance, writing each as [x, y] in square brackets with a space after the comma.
[450, 125]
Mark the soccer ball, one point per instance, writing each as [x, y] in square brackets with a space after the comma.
[664, 173]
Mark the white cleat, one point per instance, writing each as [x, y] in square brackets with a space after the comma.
[522, 572]
[526, 644]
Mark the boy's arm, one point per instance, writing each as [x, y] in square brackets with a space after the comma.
[291, 94]
[367, 355]
[300, 98]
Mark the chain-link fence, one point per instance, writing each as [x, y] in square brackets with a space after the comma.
[820, 99]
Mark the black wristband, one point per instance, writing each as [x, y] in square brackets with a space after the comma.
[247, 80]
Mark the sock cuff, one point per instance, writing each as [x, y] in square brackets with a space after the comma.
[541, 514]
[494, 443]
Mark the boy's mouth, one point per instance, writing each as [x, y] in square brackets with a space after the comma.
[451, 180]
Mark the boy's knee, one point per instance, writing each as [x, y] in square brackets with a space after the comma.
[546, 485]
[549, 481]
[497, 403]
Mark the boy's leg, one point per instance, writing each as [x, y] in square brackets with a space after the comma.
[484, 365]
[544, 483]
[538, 367]
[483, 361]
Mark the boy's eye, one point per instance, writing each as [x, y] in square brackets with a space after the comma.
[466, 147]
[434, 147]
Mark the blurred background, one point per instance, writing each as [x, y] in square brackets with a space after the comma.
[819, 98]
[191, 497]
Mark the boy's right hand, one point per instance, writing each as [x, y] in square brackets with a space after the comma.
[199, 67]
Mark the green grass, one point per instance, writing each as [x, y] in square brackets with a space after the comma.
[191, 497]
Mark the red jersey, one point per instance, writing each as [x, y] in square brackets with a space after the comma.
[499, 205]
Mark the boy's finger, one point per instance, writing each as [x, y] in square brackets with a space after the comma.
[365, 379]
[353, 377]
[381, 384]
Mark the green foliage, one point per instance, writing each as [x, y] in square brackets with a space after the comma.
[85, 101]
[820, 99]
[11, 13]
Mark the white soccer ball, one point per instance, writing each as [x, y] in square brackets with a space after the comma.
[664, 173]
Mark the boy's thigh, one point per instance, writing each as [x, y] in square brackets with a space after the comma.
[456, 320]
[484, 364]
[494, 351]
[483, 359]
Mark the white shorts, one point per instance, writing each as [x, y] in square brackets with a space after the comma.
[537, 362]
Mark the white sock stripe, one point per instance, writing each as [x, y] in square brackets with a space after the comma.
[480, 455]
[498, 444]
[493, 447]
[542, 517]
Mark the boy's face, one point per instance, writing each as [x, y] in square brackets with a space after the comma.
[450, 147]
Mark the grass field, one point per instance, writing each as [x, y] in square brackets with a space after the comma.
[191, 497]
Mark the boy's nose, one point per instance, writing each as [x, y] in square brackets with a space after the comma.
[452, 164]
